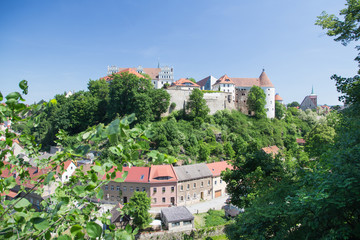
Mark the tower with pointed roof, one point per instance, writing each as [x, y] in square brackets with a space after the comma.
[269, 90]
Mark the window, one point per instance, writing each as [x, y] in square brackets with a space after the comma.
[194, 195]
[220, 181]
[181, 188]
[208, 182]
[172, 189]
[143, 189]
[202, 184]
[117, 188]
[112, 187]
[187, 222]
[194, 185]
[188, 197]
[154, 200]
[163, 189]
[163, 199]
[175, 224]
[142, 177]
[137, 189]
[182, 198]
[155, 189]
[188, 187]
[131, 189]
[106, 187]
[215, 182]
[208, 192]
[124, 189]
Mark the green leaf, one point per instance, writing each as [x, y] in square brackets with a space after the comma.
[86, 135]
[49, 177]
[93, 229]
[13, 95]
[75, 229]
[22, 204]
[123, 177]
[79, 189]
[100, 194]
[64, 237]
[128, 229]
[97, 168]
[1, 96]
[40, 223]
[24, 86]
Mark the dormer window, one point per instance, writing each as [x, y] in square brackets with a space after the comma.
[142, 177]
[163, 178]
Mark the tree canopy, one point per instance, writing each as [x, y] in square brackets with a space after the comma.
[256, 102]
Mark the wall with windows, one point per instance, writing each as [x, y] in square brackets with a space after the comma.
[193, 191]
[122, 192]
[219, 187]
[163, 194]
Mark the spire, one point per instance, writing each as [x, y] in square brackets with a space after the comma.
[312, 90]
[158, 63]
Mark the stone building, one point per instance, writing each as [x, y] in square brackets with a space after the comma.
[239, 89]
[309, 102]
[194, 183]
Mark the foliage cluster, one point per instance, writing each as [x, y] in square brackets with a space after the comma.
[298, 197]
[104, 101]
[67, 213]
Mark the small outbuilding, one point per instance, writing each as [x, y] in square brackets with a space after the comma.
[177, 218]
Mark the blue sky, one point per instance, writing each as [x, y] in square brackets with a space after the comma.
[59, 45]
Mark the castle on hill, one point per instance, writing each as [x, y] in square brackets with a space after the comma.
[230, 93]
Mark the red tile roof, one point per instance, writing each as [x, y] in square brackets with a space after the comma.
[262, 81]
[224, 80]
[118, 173]
[183, 82]
[300, 141]
[138, 174]
[127, 70]
[152, 72]
[162, 173]
[217, 167]
[278, 98]
[271, 150]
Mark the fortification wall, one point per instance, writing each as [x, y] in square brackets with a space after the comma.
[216, 101]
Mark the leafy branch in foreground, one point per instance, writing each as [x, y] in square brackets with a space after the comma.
[66, 211]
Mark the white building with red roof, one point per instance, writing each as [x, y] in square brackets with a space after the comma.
[219, 186]
[184, 84]
[159, 76]
[240, 87]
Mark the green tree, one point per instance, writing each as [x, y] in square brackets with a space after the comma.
[279, 110]
[256, 102]
[293, 104]
[204, 152]
[124, 89]
[160, 100]
[197, 104]
[138, 209]
[228, 150]
[192, 79]
[319, 139]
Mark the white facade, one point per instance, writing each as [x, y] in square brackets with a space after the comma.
[68, 172]
[270, 101]
[219, 187]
